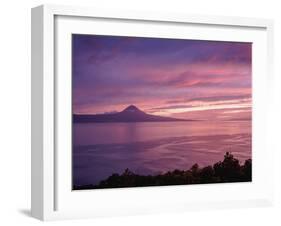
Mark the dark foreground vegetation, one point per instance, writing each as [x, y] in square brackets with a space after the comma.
[228, 170]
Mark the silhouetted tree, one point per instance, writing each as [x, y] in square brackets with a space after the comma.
[228, 170]
[194, 170]
[207, 174]
[247, 170]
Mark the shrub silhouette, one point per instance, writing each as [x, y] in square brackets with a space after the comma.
[247, 170]
[228, 170]
[207, 175]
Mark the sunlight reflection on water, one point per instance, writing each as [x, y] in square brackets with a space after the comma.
[100, 149]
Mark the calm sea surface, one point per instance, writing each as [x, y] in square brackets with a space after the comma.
[101, 149]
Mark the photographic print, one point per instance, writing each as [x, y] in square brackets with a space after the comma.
[158, 111]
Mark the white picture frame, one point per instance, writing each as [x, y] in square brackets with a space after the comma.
[52, 197]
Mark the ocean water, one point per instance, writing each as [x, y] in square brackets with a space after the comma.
[101, 149]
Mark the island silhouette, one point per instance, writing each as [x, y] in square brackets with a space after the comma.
[129, 114]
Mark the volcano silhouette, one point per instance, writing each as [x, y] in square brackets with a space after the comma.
[129, 114]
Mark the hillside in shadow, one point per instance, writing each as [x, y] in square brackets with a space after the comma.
[226, 171]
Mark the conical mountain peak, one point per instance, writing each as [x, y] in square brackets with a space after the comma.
[131, 108]
[129, 114]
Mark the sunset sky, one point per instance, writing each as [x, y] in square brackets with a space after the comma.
[171, 77]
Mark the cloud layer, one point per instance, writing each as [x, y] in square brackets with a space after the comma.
[162, 76]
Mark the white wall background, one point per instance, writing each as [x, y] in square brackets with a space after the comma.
[15, 112]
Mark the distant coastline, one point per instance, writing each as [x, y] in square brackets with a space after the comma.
[129, 114]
